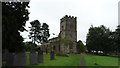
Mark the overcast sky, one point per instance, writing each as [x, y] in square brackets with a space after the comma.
[88, 12]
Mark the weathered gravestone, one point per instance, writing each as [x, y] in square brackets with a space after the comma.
[40, 55]
[4, 54]
[10, 59]
[20, 59]
[33, 57]
[52, 55]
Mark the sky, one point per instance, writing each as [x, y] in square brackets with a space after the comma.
[88, 12]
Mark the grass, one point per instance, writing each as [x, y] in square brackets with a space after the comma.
[72, 60]
[94, 60]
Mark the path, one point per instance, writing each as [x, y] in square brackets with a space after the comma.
[82, 62]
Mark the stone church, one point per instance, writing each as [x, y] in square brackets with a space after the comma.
[67, 40]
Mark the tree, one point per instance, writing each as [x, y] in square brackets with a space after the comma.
[117, 40]
[98, 39]
[38, 33]
[93, 41]
[35, 31]
[14, 17]
[80, 47]
[106, 40]
[114, 40]
[45, 33]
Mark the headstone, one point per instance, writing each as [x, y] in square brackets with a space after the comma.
[20, 59]
[10, 59]
[52, 55]
[33, 57]
[4, 55]
[40, 55]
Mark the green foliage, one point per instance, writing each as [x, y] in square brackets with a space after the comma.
[14, 17]
[80, 47]
[45, 31]
[117, 39]
[102, 39]
[98, 39]
[38, 33]
[35, 31]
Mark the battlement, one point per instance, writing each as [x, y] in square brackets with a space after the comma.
[66, 17]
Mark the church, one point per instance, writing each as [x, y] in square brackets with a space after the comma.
[66, 42]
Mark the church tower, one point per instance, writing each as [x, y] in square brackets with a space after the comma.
[68, 30]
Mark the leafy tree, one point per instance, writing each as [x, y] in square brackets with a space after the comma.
[114, 39]
[14, 17]
[93, 41]
[98, 39]
[35, 31]
[45, 33]
[38, 33]
[80, 47]
[106, 40]
[117, 40]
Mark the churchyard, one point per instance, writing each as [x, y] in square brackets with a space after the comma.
[39, 58]
[63, 50]
[72, 60]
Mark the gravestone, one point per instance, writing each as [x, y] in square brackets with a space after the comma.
[10, 59]
[4, 55]
[20, 59]
[52, 55]
[33, 57]
[40, 55]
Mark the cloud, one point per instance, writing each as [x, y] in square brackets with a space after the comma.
[88, 12]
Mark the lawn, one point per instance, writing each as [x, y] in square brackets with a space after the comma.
[94, 60]
[72, 60]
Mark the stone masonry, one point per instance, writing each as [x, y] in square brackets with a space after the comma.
[68, 30]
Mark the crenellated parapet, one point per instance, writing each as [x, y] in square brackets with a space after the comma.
[67, 18]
